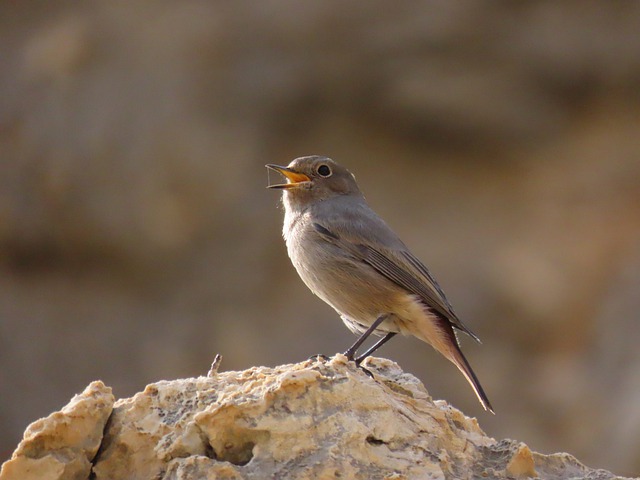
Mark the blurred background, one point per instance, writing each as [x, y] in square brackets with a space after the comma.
[501, 140]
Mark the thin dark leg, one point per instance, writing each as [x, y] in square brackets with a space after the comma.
[351, 351]
[376, 346]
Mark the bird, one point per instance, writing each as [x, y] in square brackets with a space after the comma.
[352, 260]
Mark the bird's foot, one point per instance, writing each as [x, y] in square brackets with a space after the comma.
[358, 362]
[368, 372]
[350, 354]
[360, 359]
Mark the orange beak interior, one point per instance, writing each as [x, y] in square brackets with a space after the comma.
[293, 178]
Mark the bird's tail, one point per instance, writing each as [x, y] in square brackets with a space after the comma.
[440, 334]
[459, 360]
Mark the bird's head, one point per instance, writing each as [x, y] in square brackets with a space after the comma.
[314, 178]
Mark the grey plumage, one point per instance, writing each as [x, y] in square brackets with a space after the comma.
[350, 258]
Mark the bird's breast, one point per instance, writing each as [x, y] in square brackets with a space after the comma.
[349, 285]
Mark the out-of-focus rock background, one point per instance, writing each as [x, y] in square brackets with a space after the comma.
[500, 139]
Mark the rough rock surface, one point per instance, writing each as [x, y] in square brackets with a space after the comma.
[317, 419]
[498, 139]
[63, 445]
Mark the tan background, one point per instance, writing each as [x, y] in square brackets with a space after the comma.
[500, 139]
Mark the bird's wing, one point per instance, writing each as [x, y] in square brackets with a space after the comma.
[401, 267]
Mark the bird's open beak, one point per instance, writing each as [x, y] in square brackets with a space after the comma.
[294, 178]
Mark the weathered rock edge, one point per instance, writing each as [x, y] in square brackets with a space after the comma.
[316, 419]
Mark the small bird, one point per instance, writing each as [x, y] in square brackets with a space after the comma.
[350, 258]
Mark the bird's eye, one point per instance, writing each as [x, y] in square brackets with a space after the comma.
[324, 170]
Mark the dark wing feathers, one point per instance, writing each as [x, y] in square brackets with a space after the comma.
[404, 269]
[325, 231]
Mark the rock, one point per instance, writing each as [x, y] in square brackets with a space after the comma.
[315, 419]
[63, 445]
[500, 142]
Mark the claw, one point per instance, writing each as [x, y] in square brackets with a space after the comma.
[368, 372]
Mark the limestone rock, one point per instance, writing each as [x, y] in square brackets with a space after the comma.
[499, 139]
[317, 419]
[63, 445]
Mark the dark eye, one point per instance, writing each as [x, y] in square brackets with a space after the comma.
[324, 170]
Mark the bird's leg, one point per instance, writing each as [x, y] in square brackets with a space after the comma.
[376, 346]
[351, 351]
